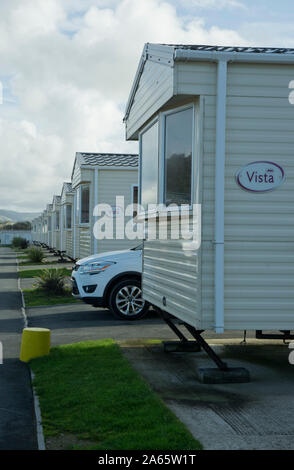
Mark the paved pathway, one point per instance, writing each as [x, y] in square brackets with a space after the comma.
[17, 425]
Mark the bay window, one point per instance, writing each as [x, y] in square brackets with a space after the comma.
[57, 220]
[149, 165]
[166, 152]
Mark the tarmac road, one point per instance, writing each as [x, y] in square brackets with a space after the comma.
[17, 421]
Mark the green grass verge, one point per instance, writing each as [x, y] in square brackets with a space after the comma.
[38, 297]
[90, 390]
[35, 263]
[36, 272]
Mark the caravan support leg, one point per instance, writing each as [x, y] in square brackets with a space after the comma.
[209, 351]
[222, 374]
[184, 345]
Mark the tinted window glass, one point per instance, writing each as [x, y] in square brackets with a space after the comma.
[68, 216]
[178, 157]
[85, 204]
[57, 220]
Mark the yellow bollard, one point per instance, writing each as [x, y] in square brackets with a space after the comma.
[35, 343]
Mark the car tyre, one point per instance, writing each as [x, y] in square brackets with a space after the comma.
[125, 300]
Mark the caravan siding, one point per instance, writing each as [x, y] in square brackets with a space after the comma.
[68, 235]
[84, 242]
[154, 90]
[258, 226]
[83, 231]
[259, 248]
[167, 273]
[122, 181]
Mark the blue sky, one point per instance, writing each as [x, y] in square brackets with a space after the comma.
[227, 17]
[67, 68]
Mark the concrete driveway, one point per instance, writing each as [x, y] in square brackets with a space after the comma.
[255, 415]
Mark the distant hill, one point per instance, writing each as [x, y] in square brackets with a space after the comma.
[13, 216]
[3, 219]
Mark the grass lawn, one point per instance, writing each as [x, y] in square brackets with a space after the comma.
[36, 272]
[35, 263]
[89, 390]
[37, 297]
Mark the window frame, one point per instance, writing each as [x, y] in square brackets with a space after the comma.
[85, 224]
[136, 185]
[57, 228]
[154, 121]
[161, 168]
[68, 204]
[162, 160]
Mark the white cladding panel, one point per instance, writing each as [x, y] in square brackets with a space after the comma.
[154, 90]
[112, 183]
[69, 242]
[259, 248]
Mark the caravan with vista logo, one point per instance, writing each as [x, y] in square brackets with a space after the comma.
[215, 128]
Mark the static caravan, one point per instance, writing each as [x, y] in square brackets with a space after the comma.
[66, 211]
[44, 227]
[44, 223]
[98, 178]
[215, 127]
[49, 233]
[34, 231]
[39, 229]
[56, 222]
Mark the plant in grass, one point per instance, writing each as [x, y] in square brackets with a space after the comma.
[35, 254]
[52, 281]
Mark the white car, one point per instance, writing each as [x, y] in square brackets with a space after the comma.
[112, 280]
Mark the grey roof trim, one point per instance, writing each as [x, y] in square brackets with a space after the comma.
[67, 188]
[205, 52]
[237, 49]
[109, 159]
[136, 81]
[105, 160]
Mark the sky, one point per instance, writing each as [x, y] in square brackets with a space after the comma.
[67, 67]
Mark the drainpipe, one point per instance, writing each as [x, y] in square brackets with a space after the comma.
[220, 194]
[61, 227]
[74, 223]
[95, 241]
[53, 226]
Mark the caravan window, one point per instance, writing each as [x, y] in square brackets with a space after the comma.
[178, 142]
[149, 165]
[57, 215]
[68, 216]
[135, 199]
[85, 204]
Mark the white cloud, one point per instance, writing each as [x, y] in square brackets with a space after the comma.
[213, 4]
[71, 88]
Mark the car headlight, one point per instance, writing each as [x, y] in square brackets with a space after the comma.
[95, 268]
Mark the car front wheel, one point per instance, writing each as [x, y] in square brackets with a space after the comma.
[126, 302]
